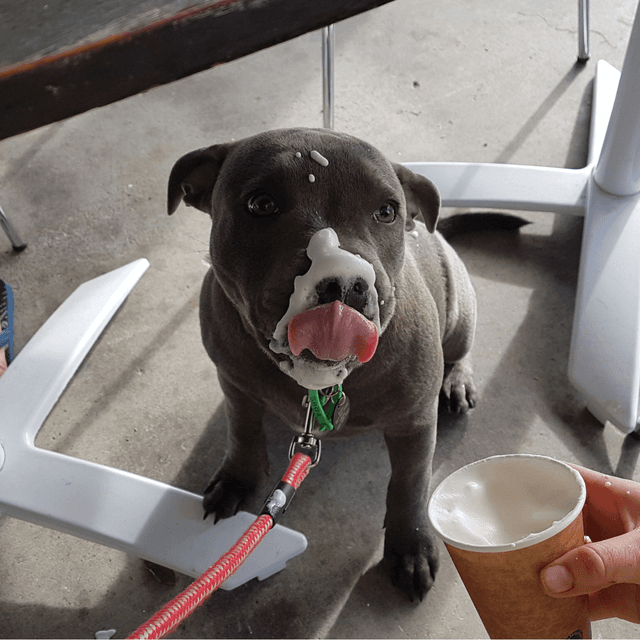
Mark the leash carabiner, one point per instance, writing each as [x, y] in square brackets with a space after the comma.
[307, 442]
[321, 406]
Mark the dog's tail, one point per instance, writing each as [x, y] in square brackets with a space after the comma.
[460, 223]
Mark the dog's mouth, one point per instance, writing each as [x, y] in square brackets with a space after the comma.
[333, 332]
[325, 343]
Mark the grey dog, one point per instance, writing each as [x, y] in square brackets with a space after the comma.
[268, 196]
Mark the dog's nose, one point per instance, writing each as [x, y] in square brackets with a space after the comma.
[352, 292]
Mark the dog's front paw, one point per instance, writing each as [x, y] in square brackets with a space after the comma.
[458, 393]
[225, 495]
[412, 567]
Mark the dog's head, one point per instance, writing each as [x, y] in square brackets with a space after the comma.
[303, 219]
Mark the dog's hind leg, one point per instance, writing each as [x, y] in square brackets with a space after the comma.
[245, 462]
[458, 393]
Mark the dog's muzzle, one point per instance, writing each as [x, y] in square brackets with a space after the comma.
[333, 315]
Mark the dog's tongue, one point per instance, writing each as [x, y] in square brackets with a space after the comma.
[333, 332]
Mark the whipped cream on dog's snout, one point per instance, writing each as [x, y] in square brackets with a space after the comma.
[328, 260]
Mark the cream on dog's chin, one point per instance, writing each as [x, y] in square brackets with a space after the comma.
[316, 375]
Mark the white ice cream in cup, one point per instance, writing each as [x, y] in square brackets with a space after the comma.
[503, 519]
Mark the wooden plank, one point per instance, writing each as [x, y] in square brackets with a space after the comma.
[53, 87]
[33, 29]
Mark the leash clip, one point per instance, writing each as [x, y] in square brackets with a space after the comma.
[307, 443]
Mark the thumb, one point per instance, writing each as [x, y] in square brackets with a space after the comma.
[594, 566]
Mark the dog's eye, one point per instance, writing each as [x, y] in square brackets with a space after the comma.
[385, 214]
[262, 204]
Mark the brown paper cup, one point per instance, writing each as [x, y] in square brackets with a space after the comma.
[503, 580]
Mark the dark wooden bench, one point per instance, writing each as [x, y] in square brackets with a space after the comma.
[59, 58]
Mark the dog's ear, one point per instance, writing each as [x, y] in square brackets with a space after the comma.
[422, 197]
[193, 177]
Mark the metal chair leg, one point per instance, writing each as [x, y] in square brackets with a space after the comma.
[16, 242]
[583, 30]
[327, 76]
[328, 53]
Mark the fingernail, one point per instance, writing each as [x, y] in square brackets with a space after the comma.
[557, 579]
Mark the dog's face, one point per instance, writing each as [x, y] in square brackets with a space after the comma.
[301, 219]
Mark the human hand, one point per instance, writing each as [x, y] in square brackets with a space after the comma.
[608, 568]
[3, 361]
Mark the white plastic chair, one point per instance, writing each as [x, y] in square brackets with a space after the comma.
[137, 515]
[604, 360]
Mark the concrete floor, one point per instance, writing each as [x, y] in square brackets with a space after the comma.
[438, 80]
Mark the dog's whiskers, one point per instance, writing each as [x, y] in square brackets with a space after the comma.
[206, 244]
[206, 259]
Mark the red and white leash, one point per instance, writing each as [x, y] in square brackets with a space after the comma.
[325, 408]
[183, 605]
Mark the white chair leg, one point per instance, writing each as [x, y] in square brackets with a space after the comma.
[605, 347]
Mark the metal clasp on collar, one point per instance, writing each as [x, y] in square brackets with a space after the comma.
[307, 443]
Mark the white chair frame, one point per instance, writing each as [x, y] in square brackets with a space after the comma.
[137, 515]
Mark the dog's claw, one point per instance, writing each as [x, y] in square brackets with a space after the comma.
[224, 496]
[458, 393]
[413, 573]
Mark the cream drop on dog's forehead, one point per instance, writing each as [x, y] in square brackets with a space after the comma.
[319, 158]
[278, 168]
